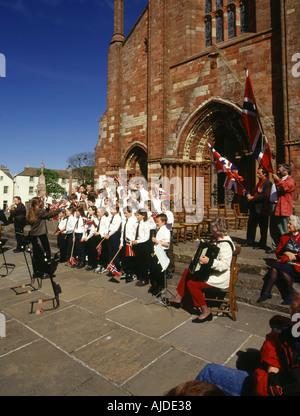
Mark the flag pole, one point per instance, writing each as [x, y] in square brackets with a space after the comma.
[100, 242]
[114, 257]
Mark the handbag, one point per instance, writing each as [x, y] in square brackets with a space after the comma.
[292, 246]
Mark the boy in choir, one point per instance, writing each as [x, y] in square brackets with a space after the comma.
[113, 237]
[127, 254]
[165, 207]
[163, 237]
[140, 247]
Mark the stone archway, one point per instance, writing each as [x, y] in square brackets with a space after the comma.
[220, 123]
[136, 162]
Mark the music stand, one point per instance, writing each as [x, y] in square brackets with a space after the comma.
[30, 286]
[164, 261]
[5, 264]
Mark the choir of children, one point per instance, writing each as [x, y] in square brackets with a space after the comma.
[115, 231]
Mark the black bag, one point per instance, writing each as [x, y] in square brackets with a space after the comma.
[292, 246]
[284, 383]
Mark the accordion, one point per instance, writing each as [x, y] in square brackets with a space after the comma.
[201, 272]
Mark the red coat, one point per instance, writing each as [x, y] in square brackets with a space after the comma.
[268, 357]
[283, 240]
[285, 190]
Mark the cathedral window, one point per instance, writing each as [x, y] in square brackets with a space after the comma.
[219, 27]
[208, 8]
[208, 31]
[219, 4]
[231, 21]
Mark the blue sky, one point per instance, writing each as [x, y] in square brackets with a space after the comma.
[54, 92]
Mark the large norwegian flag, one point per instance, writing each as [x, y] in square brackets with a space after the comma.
[258, 141]
[233, 179]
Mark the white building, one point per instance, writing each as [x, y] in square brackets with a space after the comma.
[6, 187]
[26, 182]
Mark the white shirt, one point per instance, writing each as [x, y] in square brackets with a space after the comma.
[143, 232]
[150, 221]
[163, 235]
[170, 220]
[71, 221]
[80, 226]
[131, 226]
[114, 224]
[62, 224]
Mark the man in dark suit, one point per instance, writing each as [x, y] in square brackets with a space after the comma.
[258, 210]
[18, 217]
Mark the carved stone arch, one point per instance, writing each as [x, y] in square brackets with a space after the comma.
[219, 122]
[135, 160]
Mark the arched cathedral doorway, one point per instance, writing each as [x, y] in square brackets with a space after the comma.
[136, 162]
[220, 123]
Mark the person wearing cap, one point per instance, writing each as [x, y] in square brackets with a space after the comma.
[283, 209]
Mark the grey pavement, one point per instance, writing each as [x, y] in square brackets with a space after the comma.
[113, 339]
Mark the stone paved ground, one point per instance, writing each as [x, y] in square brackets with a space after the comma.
[111, 339]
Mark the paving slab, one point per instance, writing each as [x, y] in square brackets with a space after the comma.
[121, 354]
[40, 369]
[167, 371]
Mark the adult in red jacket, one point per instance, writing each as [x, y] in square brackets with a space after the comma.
[278, 372]
[285, 186]
[287, 267]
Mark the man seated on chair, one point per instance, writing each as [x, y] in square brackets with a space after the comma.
[219, 276]
[163, 237]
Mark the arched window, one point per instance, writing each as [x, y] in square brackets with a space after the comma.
[244, 12]
[219, 27]
[231, 21]
[208, 6]
[208, 34]
[219, 4]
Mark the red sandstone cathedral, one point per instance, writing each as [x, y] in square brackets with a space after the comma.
[178, 80]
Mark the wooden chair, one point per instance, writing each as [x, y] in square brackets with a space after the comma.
[178, 226]
[195, 227]
[206, 220]
[239, 217]
[222, 211]
[227, 306]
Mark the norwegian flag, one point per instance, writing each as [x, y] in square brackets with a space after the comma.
[99, 250]
[55, 205]
[233, 179]
[72, 261]
[258, 141]
[163, 195]
[112, 268]
[129, 250]
[154, 215]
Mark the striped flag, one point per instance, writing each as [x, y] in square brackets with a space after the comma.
[99, 250]
[233, 179]
[112, 268]
[258, 141]
[129, 250]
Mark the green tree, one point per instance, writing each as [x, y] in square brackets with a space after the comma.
[52, 186]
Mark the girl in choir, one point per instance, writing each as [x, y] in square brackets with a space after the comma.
[70, 225]
[79, 236]
[113, 237]
[90, 238]
[141, 248]
[103, 220]
[61, 237]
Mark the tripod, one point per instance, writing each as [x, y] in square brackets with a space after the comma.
[33, 277]
[5, 264]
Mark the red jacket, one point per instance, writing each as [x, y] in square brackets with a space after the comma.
[283, 240]
[268, 357]
[285, 190]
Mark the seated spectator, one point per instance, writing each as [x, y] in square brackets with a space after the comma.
[278, 373]
[285, 270]
[219, 276]
[195, 388]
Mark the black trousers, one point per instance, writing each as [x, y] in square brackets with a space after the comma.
[127, 262]
[91, 250]
[113, 244]
[19, 230]
[62, 245]
[79, 248]
[255, 220]
[156, 273]
[141, 260]
[41, 259]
